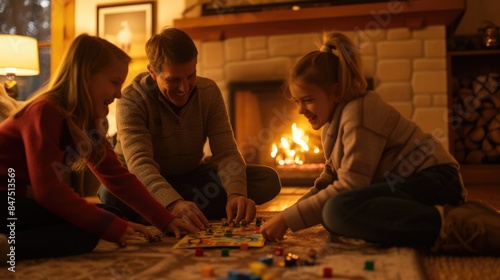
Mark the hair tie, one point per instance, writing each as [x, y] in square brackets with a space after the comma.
[327, 48]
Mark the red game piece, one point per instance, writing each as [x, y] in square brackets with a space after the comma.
[278, 251]
[198, 252]
[327, 272]
[244, 246]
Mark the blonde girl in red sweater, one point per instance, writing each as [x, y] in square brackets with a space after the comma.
[61, 130]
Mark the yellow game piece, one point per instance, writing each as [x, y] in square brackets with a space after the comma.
[258, 268]
[268, 276]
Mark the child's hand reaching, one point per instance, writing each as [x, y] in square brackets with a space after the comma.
[132, 228]
[176, 225]
[274, 230]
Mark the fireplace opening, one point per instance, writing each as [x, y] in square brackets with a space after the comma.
[269, 131]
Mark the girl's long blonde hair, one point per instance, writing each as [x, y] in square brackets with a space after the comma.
[69, 88]
[7, 104]
[336, 62]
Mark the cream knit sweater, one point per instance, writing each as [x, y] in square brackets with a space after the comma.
[367, 141]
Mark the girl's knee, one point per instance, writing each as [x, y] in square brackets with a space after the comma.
[337, 210]
[332, 215]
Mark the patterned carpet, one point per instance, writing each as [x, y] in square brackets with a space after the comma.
[346, 257]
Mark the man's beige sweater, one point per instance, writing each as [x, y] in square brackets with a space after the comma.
[154, 142]
[367, 141]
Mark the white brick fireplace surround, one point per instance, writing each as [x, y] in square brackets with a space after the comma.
[408, 66]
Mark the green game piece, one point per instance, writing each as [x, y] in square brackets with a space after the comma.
[225, 252]
[370, 265]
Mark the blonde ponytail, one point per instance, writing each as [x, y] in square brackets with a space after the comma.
[336, 62]
[351, 78]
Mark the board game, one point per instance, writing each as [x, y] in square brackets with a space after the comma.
[223, 235]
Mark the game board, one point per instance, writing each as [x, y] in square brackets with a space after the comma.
[223, 235]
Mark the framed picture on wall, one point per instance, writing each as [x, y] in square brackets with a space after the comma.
[127, 25]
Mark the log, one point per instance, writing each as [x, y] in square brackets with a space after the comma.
[477, 134]
[483, 93]
[471, 145]
[494, 136]
[465, 93]
[496, 99]
[481, 121]
[487, 147]
[467, 129]
[475, 156]
[471, 115]
[488, 114]
[494, 124]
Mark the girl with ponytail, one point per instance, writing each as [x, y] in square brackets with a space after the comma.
[384, 180]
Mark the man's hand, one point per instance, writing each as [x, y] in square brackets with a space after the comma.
[188, 211]
[274, 230]
[177, 225]
[243, 207]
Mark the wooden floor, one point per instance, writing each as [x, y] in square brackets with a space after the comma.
[489, 194]
[287, 197]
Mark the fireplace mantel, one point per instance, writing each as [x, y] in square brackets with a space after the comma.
[413, 14]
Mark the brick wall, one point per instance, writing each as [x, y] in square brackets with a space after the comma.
[408, 66]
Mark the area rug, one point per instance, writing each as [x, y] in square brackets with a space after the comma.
[346, 258]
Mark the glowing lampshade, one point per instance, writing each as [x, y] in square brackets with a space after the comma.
[18, 55]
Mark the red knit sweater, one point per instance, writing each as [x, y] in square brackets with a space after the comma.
[34, 149]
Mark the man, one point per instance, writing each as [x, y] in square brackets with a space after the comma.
[164, 119]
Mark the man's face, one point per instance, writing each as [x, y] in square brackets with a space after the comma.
[176, 82]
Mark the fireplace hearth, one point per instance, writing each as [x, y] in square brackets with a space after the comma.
[269, 131]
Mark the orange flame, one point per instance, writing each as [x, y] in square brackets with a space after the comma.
[292, 149]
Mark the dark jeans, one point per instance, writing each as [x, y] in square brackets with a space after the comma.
[41, 234]
[203, 187]
[403, 214]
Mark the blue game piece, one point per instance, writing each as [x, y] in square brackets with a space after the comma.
[258, 221]
[237, 275]
[268, 260]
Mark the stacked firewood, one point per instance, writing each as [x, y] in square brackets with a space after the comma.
[475, 123]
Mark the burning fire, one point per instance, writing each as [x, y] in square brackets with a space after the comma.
[293, 149]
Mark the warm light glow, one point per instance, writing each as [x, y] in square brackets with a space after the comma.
[300, 137]
[284, 143]
[19, 55]
[292, 149]
[274, 151]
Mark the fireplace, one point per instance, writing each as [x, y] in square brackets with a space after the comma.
[402, 44]
[269, 131]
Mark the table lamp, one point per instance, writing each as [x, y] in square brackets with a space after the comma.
[19, 57]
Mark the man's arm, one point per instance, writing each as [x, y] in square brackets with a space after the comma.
[135, 139]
